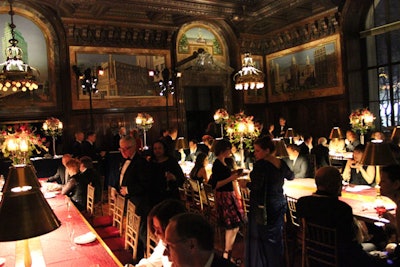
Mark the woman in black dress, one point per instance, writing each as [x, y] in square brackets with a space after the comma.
[264, 246]
[230, 212]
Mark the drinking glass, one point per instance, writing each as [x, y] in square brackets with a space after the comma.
[71, 233]
[68, 202]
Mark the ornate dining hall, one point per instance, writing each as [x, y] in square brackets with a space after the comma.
[259, 115]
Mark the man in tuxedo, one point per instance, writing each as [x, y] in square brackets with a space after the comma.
[77, 145]
[61, 175]
[189, 240]
[135, 184]
[280, 130]
[193, 151]
[297, 163]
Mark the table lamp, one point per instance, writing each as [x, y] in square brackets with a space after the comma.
[180, 145]
[336, 133]
[280, 148]
[289, 134]
[378, 153]
[25, 213]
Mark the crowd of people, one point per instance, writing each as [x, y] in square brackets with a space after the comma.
[152, 180]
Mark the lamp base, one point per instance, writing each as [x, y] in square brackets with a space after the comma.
[28, 253]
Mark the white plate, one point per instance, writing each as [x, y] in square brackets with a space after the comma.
[2, 261]
[357, 188]
[85, 239]
[49, 195]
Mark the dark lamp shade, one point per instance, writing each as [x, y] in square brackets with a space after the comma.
[181, 143]
[280, 148]
[289, 133]
[336, 133]
[21, 175]
[25, 214]
[378, 153]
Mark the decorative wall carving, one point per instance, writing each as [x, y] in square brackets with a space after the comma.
[106, 35]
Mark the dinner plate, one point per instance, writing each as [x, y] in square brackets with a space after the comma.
[2, 261]
[85, 239]
[357, 188]
[49, 195]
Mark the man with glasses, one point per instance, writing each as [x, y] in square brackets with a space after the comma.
[189, 241]
[135, 184]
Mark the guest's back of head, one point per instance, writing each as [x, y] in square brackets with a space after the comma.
[329, 180]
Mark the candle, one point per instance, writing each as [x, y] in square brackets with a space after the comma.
[11, 145]
[60, 125]
[23, 145]
[45, 126]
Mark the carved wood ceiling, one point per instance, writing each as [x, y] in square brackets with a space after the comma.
[258, 17]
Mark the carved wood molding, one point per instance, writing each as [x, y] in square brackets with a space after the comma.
[294, 35]
[114, 36]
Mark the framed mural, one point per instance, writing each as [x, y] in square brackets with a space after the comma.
[125, 81]
[34, 42]
[255, 96]
[306, 71]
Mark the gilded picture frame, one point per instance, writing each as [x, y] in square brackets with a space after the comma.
[125, 82]
[307, 71]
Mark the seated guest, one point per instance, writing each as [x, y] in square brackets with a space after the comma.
[158, 219]
[193, 151]
[76, 187]
[89, 173]
[321, 152]
[355, 172]
[351, 141]
[306, 145]
[166, 173]
[324, 208]
[297, 163]
[61, 176]
[198, 171]
[378, 136]
[189, 240]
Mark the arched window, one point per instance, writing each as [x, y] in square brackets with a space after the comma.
[382, 37]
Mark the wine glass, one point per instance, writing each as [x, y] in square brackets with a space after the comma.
[71, 233]
[68, 202]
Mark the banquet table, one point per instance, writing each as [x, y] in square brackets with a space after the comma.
[56, 245]
[362, 199]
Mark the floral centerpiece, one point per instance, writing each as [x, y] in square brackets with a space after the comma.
[220, 117]
[240, 129]
[144, 121]
[362, 120]
[19, 141]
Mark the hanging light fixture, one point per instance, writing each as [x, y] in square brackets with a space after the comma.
[249, 77]
[14, 73]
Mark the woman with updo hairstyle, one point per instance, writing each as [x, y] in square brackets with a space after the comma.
[264, 241]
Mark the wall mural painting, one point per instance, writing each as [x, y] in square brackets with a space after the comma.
[306, 71]
[199, 37]
[33, 44]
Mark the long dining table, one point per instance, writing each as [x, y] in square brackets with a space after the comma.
[57, 248]
[362, 199]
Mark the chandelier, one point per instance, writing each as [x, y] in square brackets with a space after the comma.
[14, 73]
[248, 77]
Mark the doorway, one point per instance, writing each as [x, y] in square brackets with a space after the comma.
[201, 102]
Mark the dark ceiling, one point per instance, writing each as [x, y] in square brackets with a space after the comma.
[245, 16]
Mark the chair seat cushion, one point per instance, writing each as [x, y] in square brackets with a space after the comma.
[101, 221]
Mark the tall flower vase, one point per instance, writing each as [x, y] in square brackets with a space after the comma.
[362, 138]
[54, 146]
[145, 147]
[222, 130]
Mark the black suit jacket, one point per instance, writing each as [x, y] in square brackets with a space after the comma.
[137, 180]
[300, 168]
[90, 150]
[221, 262]
[59, 176]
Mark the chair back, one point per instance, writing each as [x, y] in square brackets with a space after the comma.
[132, 230]
[291, 204]
[118, 215]
[210, 198]
[197, 200]
[111, 200]
[319, 247]
[90, 200]
[152, 242]
[245, 192]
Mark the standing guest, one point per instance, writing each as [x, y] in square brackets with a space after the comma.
[230, 212]
[92, 176]
[193, 152]
[76, 187]
[324, 208]
[280, 130]
[89, 148]
[158, 220]
[351, 141]
[121, 133]
[356, 173]
[264, 241]
[189, 240]
[296, 162]
[77, 145]
[135, 134]
[198, 171]
[321, 152]
[170, 140]
[135, 185]
[61, 176]
[166, 172]
[207, 147]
